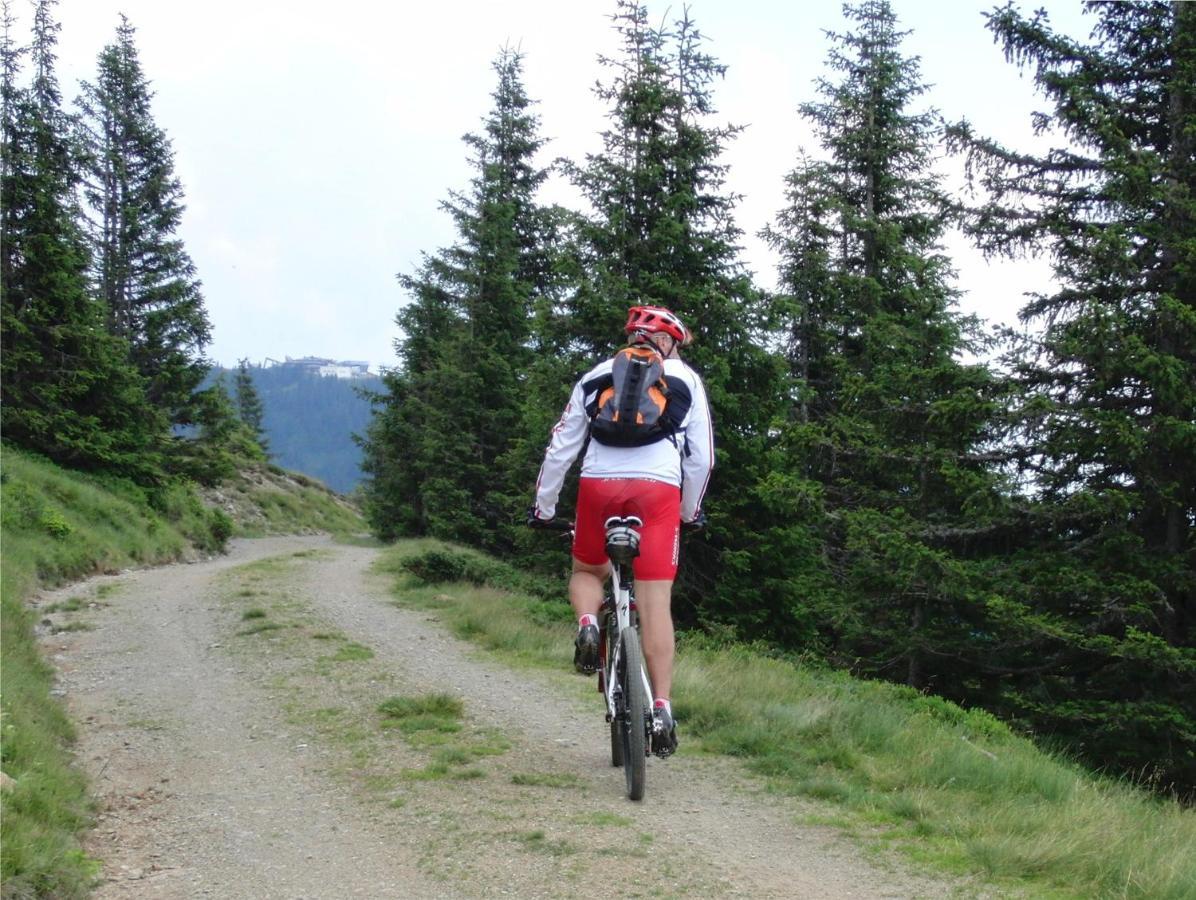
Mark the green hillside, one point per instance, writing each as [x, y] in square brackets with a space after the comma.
[59, 525]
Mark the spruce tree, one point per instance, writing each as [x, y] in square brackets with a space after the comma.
[222, 443]
[884, 446]
[68, 388]
[249, 404]
[140, 267]
[451, 411]
[1104, 587]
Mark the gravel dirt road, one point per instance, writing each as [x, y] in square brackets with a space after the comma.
[228, 719]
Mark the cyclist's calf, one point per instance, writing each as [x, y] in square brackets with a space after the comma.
[653, 600]
[585, 587]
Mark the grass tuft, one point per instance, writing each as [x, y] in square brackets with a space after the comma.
[259, 628]
[426, 708]
[538, 841]
[74, 626]
[351, 652]
[74, 604]
[546, 779]
[603, 818]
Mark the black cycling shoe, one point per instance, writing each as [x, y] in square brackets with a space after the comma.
[664, 733]
[585, 653]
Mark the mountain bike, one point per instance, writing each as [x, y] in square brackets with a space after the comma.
[623, 680]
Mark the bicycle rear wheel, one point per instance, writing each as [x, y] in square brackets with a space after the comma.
[634, 715]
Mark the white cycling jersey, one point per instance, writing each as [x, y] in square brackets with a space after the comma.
[686, 460]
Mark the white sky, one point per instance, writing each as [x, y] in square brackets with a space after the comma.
[315, 141]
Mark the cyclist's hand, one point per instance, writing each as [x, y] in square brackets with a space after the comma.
[534, 520]
[696, 524]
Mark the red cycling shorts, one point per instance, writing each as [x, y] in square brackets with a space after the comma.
[656, 503]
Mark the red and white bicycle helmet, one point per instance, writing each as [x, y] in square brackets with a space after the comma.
[656, 319]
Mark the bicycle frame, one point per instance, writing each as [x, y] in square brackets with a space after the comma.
[623, 616]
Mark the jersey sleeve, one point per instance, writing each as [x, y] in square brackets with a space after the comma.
[568, 437]
[697, 459]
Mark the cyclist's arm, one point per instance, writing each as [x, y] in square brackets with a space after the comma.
[568, 437]
[698, 460]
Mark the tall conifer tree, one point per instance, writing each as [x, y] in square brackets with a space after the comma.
[140, 268]
[450, 412]
[249, 404]
[1105, 586]
[68, 389]
[887, 424]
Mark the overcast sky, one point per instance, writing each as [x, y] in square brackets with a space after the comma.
[315, 141]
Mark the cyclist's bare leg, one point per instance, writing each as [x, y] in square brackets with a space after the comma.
[585, 587]
[653, 599]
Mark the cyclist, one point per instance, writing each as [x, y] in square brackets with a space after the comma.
[662, 483]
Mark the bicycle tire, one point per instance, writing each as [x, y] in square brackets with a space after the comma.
[632, 721]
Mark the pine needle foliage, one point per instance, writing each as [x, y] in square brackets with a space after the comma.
[250, 410]
[1104, 588]
[69, 390]
[448, 413]
[140, 268]
[880, 461]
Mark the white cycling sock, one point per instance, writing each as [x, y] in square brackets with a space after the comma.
[585, 620]
[663, 703]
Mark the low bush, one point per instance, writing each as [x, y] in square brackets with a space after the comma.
[441, 565]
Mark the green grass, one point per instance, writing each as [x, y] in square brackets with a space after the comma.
[74, 604]
[546, 779]
[528, 629]
[57, 526]
[428, 712]
[351, 652]
[259, 628]
[539, 842]
[603, 819]
[304, 505]
[432, 722]
[954, 789]
[73, 626]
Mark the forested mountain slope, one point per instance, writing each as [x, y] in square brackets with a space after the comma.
[309, 421]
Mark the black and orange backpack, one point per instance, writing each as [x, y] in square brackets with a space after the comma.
[632, 410]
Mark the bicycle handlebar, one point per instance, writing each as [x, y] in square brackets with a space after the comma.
[550, 524]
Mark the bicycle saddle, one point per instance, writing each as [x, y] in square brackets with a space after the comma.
[622, 540]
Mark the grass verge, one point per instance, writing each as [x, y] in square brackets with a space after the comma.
[57, 526]
[952, 788]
